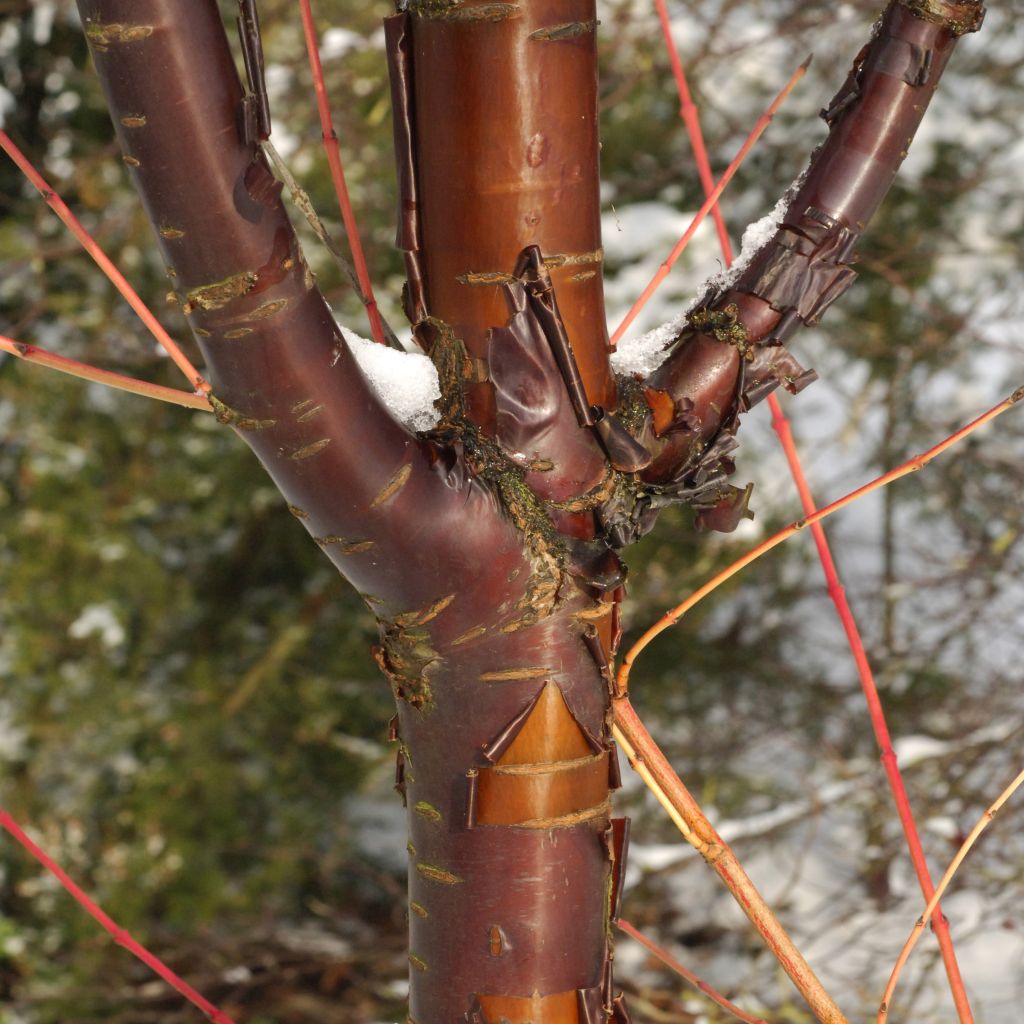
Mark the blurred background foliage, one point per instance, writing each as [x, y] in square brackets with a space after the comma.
[189, 718]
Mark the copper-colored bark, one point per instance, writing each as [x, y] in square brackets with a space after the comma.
[485, 546]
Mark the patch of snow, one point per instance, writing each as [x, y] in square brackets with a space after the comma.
[7, 104]
[42, 21]
[756, 235]
[406, 382]
[645, 354]
[336, 42]
[98, 620]
[912, 749]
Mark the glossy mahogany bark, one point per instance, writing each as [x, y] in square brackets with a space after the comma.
[501, 167]
[481, 620]
[485, 547]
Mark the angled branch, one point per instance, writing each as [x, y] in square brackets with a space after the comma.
[282, 374]
[730, 354]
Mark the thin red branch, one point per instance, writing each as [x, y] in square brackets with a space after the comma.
[877, 715]
[90, 245]
[691, 118]
[983, 822]
[762, 123]
[671, 617]
[837, 592]
[118, 934]
[72, 367]
[670, 961]
[333, 151]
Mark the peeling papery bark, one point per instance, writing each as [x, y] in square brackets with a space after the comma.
[712, 376]
[487, 546]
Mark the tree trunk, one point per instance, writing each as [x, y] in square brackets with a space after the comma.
[487, 547]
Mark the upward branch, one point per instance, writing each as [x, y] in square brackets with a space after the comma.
[729, 354]
[282, 375]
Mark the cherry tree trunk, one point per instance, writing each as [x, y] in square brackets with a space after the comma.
[487, 546]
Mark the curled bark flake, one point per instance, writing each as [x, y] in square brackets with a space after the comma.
[131, 161]
[298, 512]
[134, 120]
[418, 909]
[165, 232]
[252, 57]
[806, 267]
[418, 962]
[238, 332]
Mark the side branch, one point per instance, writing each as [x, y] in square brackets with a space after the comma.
[730, 353]
[118, 934]
[74, 225]
[282, 374]
[119, 381]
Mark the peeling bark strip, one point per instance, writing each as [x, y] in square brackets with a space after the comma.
[528, 180]
[487, 563]
[696, 396]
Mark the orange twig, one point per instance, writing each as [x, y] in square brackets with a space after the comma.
[90, 245]
[671, 617]
[982, 823]
[762, 123]
[780, 423]
[39, 356]
[333, 151]
[652, 766]
[118, 934]
[670, 961]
